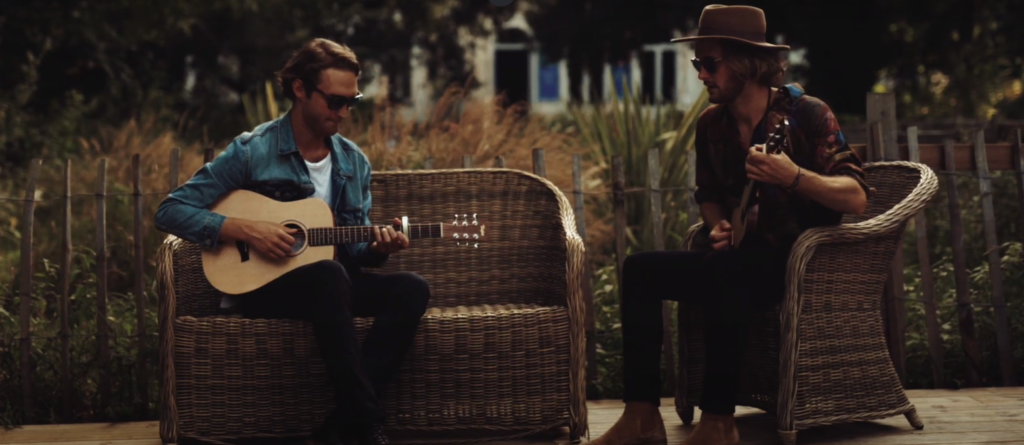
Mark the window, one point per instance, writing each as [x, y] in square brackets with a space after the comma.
[548, 77]
[621, 74]
[668, 76]
[648, 81]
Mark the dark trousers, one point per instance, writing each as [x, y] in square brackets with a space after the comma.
[728, 286]
[329, 295]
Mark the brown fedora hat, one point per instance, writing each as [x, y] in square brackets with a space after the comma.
[741, 23]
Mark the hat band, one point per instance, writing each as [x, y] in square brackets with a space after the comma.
[756, 37]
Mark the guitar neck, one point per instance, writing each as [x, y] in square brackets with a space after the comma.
[324, 236]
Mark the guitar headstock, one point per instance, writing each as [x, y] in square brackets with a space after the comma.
[467, 232]
[778, 140]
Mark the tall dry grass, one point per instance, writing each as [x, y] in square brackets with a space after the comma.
[459, 125]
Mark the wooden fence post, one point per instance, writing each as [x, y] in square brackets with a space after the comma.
[428, 164]
[874, 136]
[927, 281]
[102, 330]
[140, 289]
[668, 346]
[538, 163]
[499, 162]
[619, 204]
[881, 108]
[588, 293]
[27, 270]
[1018, 166]
[994, 262]
[467, 161]
[965, 309]
[65, 299]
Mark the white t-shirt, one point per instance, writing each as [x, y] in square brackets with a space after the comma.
[320, 174]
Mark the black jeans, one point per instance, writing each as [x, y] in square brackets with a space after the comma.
[329, 295]
[730, 286]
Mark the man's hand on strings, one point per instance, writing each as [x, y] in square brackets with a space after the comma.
[388, 241]
[777, 169]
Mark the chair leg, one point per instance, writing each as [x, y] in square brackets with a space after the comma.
[575, 431]
[914, 420]
[788, 437]
[574, 437]
[686, 414]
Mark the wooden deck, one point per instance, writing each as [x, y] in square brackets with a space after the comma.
[972, 416]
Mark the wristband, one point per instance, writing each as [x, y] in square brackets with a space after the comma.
[795, 180]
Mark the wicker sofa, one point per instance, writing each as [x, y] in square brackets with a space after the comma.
[820, 357]
[500, 351]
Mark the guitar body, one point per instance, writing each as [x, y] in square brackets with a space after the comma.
[235, 268]
[231, 271]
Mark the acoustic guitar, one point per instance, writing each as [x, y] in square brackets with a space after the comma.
[236, 269]
[745, 216]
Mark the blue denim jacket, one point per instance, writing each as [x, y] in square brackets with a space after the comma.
[267, 161]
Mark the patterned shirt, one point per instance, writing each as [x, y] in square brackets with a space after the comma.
[815, 144]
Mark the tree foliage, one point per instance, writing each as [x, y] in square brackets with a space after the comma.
[117, 59]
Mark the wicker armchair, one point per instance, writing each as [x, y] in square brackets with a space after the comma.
[500, 352]
[820, 357]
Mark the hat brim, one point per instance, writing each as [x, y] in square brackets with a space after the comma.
[737, 39]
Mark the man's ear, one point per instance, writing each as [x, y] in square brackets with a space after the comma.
[298, 89]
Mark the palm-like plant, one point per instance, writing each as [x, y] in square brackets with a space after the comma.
[629, 128]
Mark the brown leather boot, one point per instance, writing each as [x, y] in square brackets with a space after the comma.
[640, 424]
[714, 429]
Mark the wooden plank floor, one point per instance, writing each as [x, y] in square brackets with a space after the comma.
[971, 416]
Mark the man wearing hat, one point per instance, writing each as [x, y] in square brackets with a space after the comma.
[813, 181]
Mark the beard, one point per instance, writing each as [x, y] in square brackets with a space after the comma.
[727, 92]
[318, 123]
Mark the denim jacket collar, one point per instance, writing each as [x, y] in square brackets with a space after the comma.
[286, 144]
[342, 169]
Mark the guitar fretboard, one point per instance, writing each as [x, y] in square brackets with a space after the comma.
[323, 236]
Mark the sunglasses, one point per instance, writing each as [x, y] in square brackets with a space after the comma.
[709, 64]
[335, 103]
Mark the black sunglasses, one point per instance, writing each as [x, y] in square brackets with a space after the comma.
[334, 103]
[709, 64]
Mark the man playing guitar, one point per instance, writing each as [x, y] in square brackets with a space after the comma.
[298, 156]
[811, 182]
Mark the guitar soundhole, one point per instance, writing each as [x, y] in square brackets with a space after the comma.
[300, 238]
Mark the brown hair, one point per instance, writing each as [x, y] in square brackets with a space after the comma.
[753, 63]
[314, 57]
